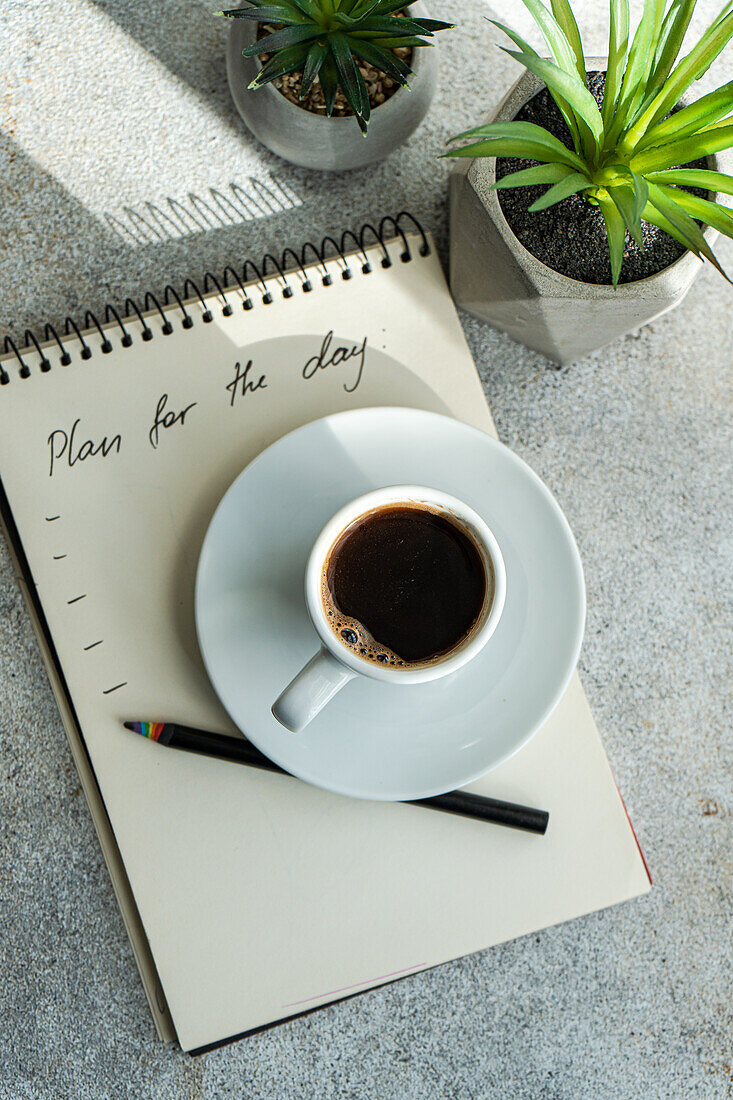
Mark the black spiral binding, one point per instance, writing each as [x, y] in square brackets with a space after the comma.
[350, 246]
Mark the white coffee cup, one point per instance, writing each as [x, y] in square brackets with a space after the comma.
[336, 663]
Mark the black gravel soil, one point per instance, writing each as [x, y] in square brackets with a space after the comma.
[570, 237]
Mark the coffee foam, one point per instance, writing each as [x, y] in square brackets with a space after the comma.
[354, 635]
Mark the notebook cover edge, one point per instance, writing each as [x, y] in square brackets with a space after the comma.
[85, 769]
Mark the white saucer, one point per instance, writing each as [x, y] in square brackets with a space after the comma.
[377, 740]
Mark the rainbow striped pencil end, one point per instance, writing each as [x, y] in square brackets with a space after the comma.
[152, 730]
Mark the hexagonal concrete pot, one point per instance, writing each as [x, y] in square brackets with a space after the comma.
[493, 276]
[315, 141]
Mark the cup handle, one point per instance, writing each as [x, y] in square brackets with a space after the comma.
[311, 689]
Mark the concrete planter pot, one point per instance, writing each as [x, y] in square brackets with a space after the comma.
[314, 141]
[494, 277]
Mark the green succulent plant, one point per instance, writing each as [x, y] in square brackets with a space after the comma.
[626, 155]
[323, 39]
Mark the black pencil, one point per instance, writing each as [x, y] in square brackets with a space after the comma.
[242, 751]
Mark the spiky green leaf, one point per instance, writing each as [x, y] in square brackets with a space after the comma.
[313, 9]
[655, 217]
[683, 222]
[271, 13]
[641, 193]
[704, 112]
[285, 6]
[376, 26]
[564, 15]
[691, 68]
[282, 39]
[528, 177]
[508, 147]
[383, 7]
[400, 43]
[725, 10]
[674, 28]
[316, 56]
[618, 48]
[364, 115]
[620, 175]
[561, 50]
[576, 181]
[564, 107]
[283, 62]
[684, 150]
[384, 60]
[545, 146]
[569, 87]
[702, 210]
[328, 77]
[616, 233]
[695, 177]
[638, 64]
[353, 87]
[622, 196]
[554, 36]
[430, 26]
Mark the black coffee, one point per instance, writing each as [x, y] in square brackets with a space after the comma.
[404, 585]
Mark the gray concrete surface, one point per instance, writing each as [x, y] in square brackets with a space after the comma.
[108, 106]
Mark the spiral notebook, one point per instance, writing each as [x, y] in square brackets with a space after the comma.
[251, 897]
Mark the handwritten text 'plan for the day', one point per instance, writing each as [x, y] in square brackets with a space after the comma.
[71, 445]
